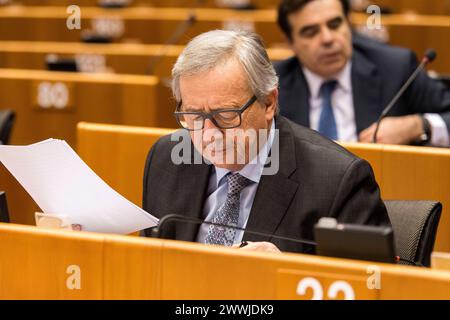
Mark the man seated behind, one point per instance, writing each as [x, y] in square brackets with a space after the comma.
[338, 83]
[226, 89]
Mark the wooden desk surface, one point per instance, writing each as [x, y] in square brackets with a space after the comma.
[146, 25]
[153, 3]
[203, 14]
[412, 173]
[56, 264]
[50, 104]
[440, 260]
[397, 6]
[418, 6]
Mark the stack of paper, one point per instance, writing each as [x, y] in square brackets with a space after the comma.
[61, 183]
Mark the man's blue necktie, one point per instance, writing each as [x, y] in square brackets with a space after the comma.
[228, 213]
[327, 121]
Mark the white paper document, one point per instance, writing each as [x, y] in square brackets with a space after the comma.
[61, 183]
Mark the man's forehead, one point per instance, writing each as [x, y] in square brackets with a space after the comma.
[214, 101]
[229, 69]
[316, 12]
[220, 84]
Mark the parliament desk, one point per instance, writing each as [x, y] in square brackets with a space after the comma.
[440, 261]
[50, 104]
[58, 264]
[120, 159]
[437, 7]
[146, 25]
[158, 3]
[403, 173]
[157, 25]
[412, 173]
[123, 58]
[397, 6]
[416, 32]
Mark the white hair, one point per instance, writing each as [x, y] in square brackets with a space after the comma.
[207, 50]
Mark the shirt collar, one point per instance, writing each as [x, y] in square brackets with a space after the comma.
[315, 81]
[254, 169]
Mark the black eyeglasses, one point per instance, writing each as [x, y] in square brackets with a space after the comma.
[223, 119]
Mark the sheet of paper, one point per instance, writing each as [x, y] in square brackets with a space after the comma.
[61, 183]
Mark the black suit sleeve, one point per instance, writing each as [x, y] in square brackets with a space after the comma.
[147, 232]
[358, 198]
[427, 95]
[148, 162]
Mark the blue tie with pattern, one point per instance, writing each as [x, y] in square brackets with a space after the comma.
[327, 122]
[228, 213]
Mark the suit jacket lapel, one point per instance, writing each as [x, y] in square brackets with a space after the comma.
[304, 102]
[275, 192]
[295, 102]
[367, 91]
[196, 177]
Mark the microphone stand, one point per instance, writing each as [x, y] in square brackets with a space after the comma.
[429, 57]
[174, 38]
[156, 231]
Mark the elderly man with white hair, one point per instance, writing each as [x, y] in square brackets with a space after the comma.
[240, 166]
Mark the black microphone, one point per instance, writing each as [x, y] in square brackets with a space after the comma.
[430, 56]
[156, 231]
[174, 38]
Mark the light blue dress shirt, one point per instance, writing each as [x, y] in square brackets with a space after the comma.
[218, 189]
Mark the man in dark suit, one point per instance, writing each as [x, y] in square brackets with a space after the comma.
[338, 83]
[226, 87]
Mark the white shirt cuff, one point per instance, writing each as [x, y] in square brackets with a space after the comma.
[439, 131]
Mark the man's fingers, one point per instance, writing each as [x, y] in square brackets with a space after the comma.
[366, 135]
[77, 227]
[238, 245]
[261, 246]
[251, 246]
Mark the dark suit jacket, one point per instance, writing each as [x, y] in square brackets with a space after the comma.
[378, 72]
[316, 178]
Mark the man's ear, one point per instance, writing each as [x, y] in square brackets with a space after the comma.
[290, 43]
[272, 104]
[287, 40]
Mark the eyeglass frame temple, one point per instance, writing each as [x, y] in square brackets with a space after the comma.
[210, 115]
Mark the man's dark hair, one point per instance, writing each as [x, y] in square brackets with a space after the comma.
[287, 7]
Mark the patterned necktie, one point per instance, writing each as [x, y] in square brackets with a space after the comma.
[327, 122]
[228, 213]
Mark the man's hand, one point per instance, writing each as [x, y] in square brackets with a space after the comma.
[395, 130]
[259, 246]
